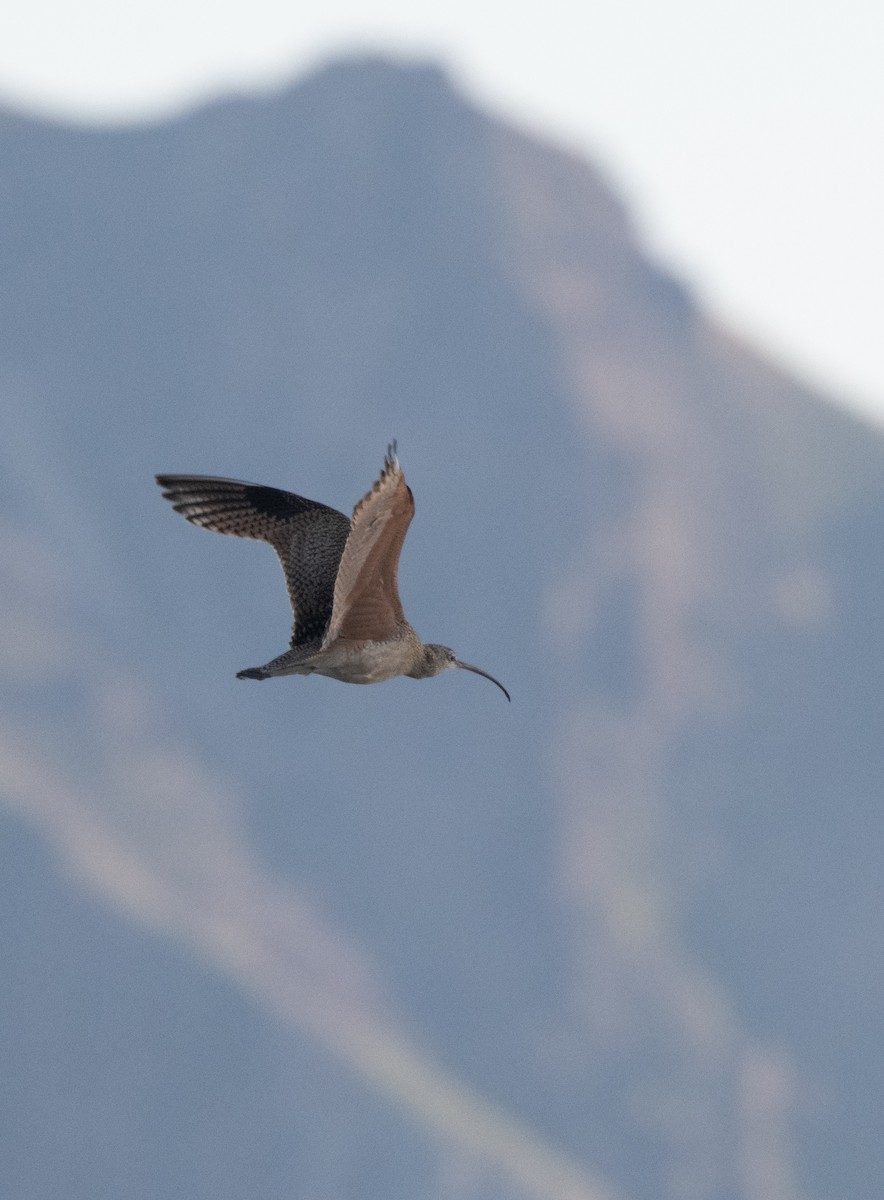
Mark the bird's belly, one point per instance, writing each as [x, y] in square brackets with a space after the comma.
[364, 662]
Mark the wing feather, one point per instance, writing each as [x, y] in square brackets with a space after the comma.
[366, 594]
[308, 537]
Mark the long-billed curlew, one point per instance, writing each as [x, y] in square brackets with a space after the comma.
[341, 575]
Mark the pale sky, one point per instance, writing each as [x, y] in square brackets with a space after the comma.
[748, 138]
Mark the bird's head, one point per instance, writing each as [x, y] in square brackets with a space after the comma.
[437, 659]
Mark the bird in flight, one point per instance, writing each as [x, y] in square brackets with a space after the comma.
[341, 574]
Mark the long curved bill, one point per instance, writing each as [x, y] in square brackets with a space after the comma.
[476, 671]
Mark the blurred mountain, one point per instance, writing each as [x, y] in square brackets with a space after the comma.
[621, 938]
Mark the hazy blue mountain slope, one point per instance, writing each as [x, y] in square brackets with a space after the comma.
[619, 938]
[138, 1074]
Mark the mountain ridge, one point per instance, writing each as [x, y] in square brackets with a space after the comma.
[580, 911]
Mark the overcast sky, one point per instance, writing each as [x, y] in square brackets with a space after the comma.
[747, 137]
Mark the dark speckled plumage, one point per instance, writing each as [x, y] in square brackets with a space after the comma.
[308, 537]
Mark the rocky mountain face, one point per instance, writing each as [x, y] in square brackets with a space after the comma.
[619, 939]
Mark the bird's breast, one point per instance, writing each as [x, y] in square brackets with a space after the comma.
[365, 662]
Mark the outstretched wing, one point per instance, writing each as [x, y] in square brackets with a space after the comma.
[308, 537]
[366, 594]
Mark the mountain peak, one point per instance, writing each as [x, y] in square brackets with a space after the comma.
[566, 944]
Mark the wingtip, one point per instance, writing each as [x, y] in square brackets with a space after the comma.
[391, 459]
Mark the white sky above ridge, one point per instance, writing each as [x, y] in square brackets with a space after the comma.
[747, 138]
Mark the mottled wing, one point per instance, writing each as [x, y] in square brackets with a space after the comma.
[308, 537]
[366, 600]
